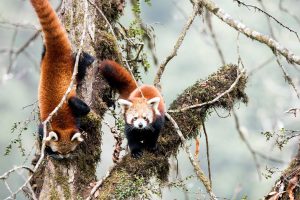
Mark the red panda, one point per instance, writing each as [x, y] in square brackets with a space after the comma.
[56, 72]
[143, 108]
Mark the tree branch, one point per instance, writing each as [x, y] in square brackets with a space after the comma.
[267, 14]
[137, 173]
[160, 71]
[71, 178]
[273, 44]
[214, 100]
[199, 172]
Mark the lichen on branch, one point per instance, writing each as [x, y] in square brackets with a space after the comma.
[157, 165]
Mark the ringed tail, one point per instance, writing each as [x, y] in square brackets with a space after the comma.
[118, 78]
[56, 38]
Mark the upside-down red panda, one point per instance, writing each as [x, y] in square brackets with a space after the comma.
[63, 134]
[143, 108]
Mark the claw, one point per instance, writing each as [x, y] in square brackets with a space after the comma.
[136, 154]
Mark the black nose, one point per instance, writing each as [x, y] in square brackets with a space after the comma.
[140, 125]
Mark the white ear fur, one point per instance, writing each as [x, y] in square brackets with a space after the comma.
[124, 103]
[52, 136]
[154, 102]
[77, 136]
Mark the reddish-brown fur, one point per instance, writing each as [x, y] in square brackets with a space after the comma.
[56, 72]
[120, 79]
[149, 92]
[143, 108]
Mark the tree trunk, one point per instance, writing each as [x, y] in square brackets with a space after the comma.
[70, 179]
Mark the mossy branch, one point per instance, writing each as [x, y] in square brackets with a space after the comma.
[287, 186]
[169, 142]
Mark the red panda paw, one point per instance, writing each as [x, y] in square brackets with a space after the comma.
[153, 149]
[137, 153]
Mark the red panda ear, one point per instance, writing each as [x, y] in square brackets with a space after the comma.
[52, 136]
[154, 102]
[124, 104]
[77, 136]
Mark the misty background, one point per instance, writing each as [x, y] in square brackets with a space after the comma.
[234, 174]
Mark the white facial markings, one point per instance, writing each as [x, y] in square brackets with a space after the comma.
[140, 123]
[154, 102]
[77, 136]
[129, 118]
[53, 147]
[52, 136]
[124, 104]
[140, 112]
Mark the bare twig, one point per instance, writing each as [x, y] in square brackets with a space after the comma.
[11, 53]
[214, 38]
[99, 183]
[28, 189]
[6, 174]
[178, 43]
[8, 188]
[288, 12]
[148, 37]
[260, 66]
[6, 23]
[267, 157]
[28, 42]
[197, 169]
[207, 152]
[239, 61]
[293, 111]
[178, 6]
[242, 136]
[267, 14]
[119, 47]
[44, 123]
[268, 19]
[32, 60]
[215, 99]
[287, 77]
[273, 44]
[118, 142]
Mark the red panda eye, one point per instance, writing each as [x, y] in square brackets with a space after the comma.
[135, 118]
[145, 118]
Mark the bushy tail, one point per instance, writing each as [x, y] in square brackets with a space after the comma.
[56, 38]
[118, 78]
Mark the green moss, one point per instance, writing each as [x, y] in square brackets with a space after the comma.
[106, 47]
[129, 187]
[62, 181]
[124, 186]
[145, 165]
[67, 21]
[90, 151]
[53, 194]
[202, 91]
[189, 122]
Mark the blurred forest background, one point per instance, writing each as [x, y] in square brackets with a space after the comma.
[234, 174]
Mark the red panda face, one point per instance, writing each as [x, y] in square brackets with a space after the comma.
[60, 143]
[140, 112]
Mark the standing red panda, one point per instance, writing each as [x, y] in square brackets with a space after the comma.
[144, 113]
[56, 72]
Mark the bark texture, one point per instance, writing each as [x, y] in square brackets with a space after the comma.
[287, 186]
[130, 176]
[70, 179]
